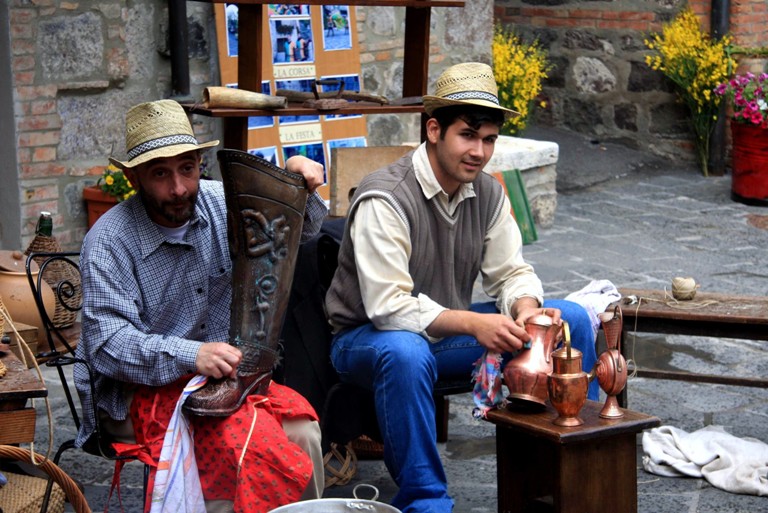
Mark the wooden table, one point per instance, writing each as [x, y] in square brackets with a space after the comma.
[585, 469]
[719, 315]
[17, 421]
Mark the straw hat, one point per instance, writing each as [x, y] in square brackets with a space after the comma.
[155, 130]
[469, 83]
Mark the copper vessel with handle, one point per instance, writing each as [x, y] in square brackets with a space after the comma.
[568, 383]
[526, 374]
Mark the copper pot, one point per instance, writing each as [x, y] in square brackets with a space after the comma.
[17, 294]
[526, 374]
[568, 384]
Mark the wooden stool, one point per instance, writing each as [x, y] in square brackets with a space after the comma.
[588, 468]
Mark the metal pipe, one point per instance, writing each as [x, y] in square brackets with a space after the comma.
[719, 27]
[179, 45]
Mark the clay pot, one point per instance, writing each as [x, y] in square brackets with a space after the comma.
[17, 294]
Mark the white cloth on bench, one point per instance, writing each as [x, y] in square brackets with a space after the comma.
[595, 298]
[737, 465]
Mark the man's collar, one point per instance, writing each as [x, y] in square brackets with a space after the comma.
[425, 175]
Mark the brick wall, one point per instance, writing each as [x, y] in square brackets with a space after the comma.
[77, 67]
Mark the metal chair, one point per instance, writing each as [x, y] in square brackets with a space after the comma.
[61, 271]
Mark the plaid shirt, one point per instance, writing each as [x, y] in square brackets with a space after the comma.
[150, 302]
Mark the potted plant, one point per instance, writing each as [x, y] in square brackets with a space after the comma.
[749, 133]
[112, 188]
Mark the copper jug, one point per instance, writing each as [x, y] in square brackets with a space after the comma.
[568, 383]
[526, 374]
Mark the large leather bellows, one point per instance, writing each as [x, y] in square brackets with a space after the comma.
[265, 212]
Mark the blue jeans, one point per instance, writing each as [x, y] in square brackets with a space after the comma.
[401, 367]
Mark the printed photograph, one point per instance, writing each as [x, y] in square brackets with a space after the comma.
[313, 151]
[302, 85]
[336, 33]
[268, 153]
[291, 40]
[287, 10]
[351, 83]
[231, 12]
[262, 121]
[349, 142]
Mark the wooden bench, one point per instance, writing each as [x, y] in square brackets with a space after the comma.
[588, 468]
[707, 315]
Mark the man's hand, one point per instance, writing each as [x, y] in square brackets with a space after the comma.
[495, 332]
[499, 333]
[309, 169]
[218, 359]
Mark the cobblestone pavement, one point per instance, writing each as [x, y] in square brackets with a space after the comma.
[637, 221]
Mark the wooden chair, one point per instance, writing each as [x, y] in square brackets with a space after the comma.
[61, 270]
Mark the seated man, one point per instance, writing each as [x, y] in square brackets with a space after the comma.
[157, 287]
[419, 232]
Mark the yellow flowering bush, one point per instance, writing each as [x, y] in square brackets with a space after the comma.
[520, 69]
[114, 183]
[696, 64]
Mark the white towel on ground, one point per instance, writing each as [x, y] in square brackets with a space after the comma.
[595, 298]
[737, 465]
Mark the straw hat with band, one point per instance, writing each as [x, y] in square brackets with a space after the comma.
[469, 83]
[158, 129]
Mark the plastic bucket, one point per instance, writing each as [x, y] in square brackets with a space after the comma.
[750, 164]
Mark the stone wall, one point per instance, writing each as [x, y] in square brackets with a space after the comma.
[600, 84]
[77, 66]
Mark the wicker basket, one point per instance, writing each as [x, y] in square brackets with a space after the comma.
[17, 498]
[2, 317]
[55, 273]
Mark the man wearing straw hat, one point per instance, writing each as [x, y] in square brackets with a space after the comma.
[157, 281]
[418, 234]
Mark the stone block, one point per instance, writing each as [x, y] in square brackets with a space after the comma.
[71, 47]
[537, 161]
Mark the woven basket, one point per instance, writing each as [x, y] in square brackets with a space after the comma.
[55, 273]
[340, 465]
[26, 495]
[367, 448]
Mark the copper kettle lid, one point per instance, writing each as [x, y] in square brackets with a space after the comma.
[14, 261]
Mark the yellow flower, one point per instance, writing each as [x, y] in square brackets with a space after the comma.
[114, 182]
[519, 69]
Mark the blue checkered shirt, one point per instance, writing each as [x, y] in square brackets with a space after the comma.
[150, 302]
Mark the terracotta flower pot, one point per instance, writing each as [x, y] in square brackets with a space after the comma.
[749, 182]
[97, 202]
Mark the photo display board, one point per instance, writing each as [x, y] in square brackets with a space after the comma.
[301, 44]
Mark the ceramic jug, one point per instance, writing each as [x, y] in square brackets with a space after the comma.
[568, 383]
[526, 374]
[17, 294]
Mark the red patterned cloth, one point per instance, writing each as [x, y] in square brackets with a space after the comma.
[274, 471]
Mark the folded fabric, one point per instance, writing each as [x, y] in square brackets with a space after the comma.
[737, 465]
[595, 298]
[177, 482]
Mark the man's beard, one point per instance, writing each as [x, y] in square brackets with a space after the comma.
[166, 210]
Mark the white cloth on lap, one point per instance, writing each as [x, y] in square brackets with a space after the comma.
[595, 298]
[737, 465]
